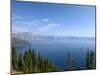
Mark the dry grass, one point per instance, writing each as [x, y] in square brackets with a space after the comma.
[13, 72]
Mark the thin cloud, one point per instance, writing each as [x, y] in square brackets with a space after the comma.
[54, 24]
[45, 19]
[49, 26]
[17, 17]
[27, 23]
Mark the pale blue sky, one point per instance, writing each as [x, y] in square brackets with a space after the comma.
[53, 19]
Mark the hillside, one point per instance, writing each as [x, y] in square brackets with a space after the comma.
[19, 42]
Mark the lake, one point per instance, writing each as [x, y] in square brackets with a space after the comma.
[57, 51]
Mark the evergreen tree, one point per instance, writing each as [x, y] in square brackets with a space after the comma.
[33, 59]
[30, 61]
[40, 64]
[26, 57]
[45, 65]
[14, 58]
[30, 64]
[20, 62]
[90, 64]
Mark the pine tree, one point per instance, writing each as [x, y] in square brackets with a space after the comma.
[45, 65]
[33, 59]
[30, 61]
[30, 65]
[39, 65]
[90, 64]
[20, 62]
[26, 57]
[14, 58]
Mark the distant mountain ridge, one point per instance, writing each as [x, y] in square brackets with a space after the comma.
[31, 37]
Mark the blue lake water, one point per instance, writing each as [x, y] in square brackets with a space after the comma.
[57, 51]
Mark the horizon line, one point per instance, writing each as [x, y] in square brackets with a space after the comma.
[56, 35]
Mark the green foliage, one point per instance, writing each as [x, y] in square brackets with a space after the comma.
[51, 66]
[14, 58]
[90, 64]
[40, 63]
[26, 62]
[33, 58]
[29, 62]
[20, 63]
[90, 61]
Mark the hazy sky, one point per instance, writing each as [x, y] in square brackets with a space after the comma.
[53, 19]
